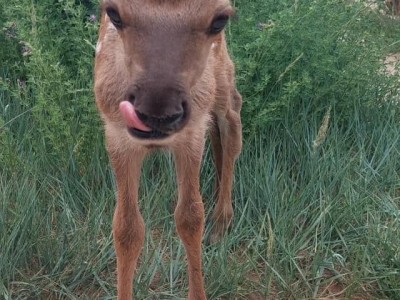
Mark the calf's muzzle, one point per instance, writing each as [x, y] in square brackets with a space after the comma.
[160, 110]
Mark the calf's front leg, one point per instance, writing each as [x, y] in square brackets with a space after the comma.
[128, 225]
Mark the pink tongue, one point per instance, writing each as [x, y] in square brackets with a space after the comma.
[129, 114]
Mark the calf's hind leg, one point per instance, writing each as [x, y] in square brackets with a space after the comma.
[230, 136]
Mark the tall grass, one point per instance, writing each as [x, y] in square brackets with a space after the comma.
[310, 221]
[304, 220]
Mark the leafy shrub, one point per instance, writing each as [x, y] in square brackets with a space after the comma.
[314, 53]
[58, 38]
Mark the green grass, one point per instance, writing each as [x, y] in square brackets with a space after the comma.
[309, 222]
[303, 220]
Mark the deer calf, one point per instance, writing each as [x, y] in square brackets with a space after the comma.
[163, 77]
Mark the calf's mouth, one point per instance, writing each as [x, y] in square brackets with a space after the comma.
[136, 127]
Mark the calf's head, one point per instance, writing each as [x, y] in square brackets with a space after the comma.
[151, 53]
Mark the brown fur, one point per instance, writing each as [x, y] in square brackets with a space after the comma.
[163, 49]
[394, 5]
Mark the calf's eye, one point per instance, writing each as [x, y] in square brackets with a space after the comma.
[218, 24]
[114, 17]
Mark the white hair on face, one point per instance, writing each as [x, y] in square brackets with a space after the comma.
[98, 47]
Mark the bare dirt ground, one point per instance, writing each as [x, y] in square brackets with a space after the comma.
[392, 64]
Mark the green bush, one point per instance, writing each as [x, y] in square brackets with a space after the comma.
[57, 39]
[317, 53]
